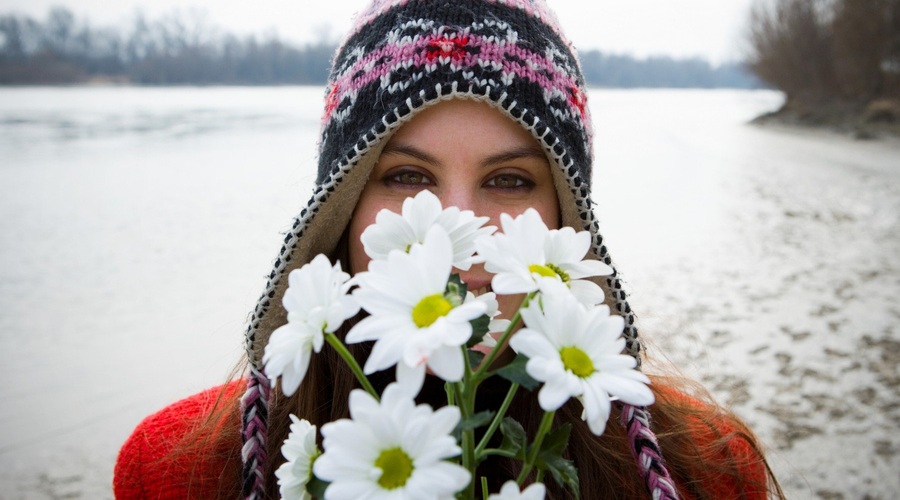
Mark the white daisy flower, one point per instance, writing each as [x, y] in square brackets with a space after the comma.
[317, 303]
[300, 451]
[577, 352]
[527, 257]
[393, 231]
[510, 491]
[496, 325]
[391, 450]
[411, 319]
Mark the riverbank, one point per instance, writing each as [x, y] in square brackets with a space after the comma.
[876, 119]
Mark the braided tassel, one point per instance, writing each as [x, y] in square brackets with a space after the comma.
[646, 451]
[255, 412]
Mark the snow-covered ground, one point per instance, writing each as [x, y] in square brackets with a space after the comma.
[138, 226]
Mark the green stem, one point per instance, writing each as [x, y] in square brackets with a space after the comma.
[484, 488]
[546, 423]
[451, 393]
[499, 452]
[466, 408]
[480, 373]
[497, 419]
[341, 349]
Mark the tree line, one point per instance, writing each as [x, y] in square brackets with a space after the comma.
[831, 58]
[182, 48]
[178, 48]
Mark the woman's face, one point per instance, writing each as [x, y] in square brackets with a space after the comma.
[471, 156]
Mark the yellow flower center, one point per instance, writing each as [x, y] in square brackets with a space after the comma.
[549, 271]
[576, 361]
[396, 467]
[429, 309]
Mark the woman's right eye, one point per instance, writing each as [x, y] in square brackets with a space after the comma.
[408, 178]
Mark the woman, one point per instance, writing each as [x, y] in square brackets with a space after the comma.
[482, 103]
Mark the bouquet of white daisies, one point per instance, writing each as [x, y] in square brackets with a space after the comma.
[421, 318]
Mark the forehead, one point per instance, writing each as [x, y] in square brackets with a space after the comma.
[464, 124]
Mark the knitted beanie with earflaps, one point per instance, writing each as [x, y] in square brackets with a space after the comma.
[401, 57]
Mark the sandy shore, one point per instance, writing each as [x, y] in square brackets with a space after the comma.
[785, 305]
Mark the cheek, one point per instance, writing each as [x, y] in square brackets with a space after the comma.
[363, 216]
[545, 204]
[549, 214]
[372, 200]
[548, 205]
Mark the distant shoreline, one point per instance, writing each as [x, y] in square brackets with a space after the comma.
[877, 119]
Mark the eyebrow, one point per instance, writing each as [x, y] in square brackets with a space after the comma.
[515, 154]
[502, 157]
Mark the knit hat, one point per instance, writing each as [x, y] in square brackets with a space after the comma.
[401, 57]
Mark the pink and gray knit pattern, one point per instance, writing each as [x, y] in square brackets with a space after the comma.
[402, 56]
[416, 52]
[533, 8]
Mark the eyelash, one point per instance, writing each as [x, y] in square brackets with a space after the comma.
[394, 178]
[520, 182]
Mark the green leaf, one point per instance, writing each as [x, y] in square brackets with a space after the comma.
[316, 487]
[565, 474]
[479, 328]
[456, 290]
[475, 358]
[514, 437]
[477, 420]
[555, 441]
[550, 458]
[515, 372]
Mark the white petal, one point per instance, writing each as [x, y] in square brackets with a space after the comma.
[447, 363]
[596, 408]
[510, 491]
[587, 292]
[374, 327]
[510, 284]
[564, 245]
[532, 344]
[386, 352]
[421, 211]
[410, 379]
[351, 490]
[586, 268]
[295, 373]
[553, 394]
[631, 391]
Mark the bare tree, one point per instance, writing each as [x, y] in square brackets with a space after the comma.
[60, 30]
[837, 61]
[790, 44]
[861, 35]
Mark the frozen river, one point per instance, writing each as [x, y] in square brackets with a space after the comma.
[138, 225]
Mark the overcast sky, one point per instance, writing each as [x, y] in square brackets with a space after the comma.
[711, 29]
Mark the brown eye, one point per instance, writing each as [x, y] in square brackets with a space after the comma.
[410, 177]
[507, 181]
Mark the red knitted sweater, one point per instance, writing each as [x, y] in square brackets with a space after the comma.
[146, 469]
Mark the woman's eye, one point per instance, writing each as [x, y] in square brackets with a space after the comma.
[507, 181]
[409, 178]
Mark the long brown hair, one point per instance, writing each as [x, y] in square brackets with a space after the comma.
[701, 441]
[704, 444]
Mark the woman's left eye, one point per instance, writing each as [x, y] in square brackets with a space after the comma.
[410, 178]
[406, 178]
[508, 181]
